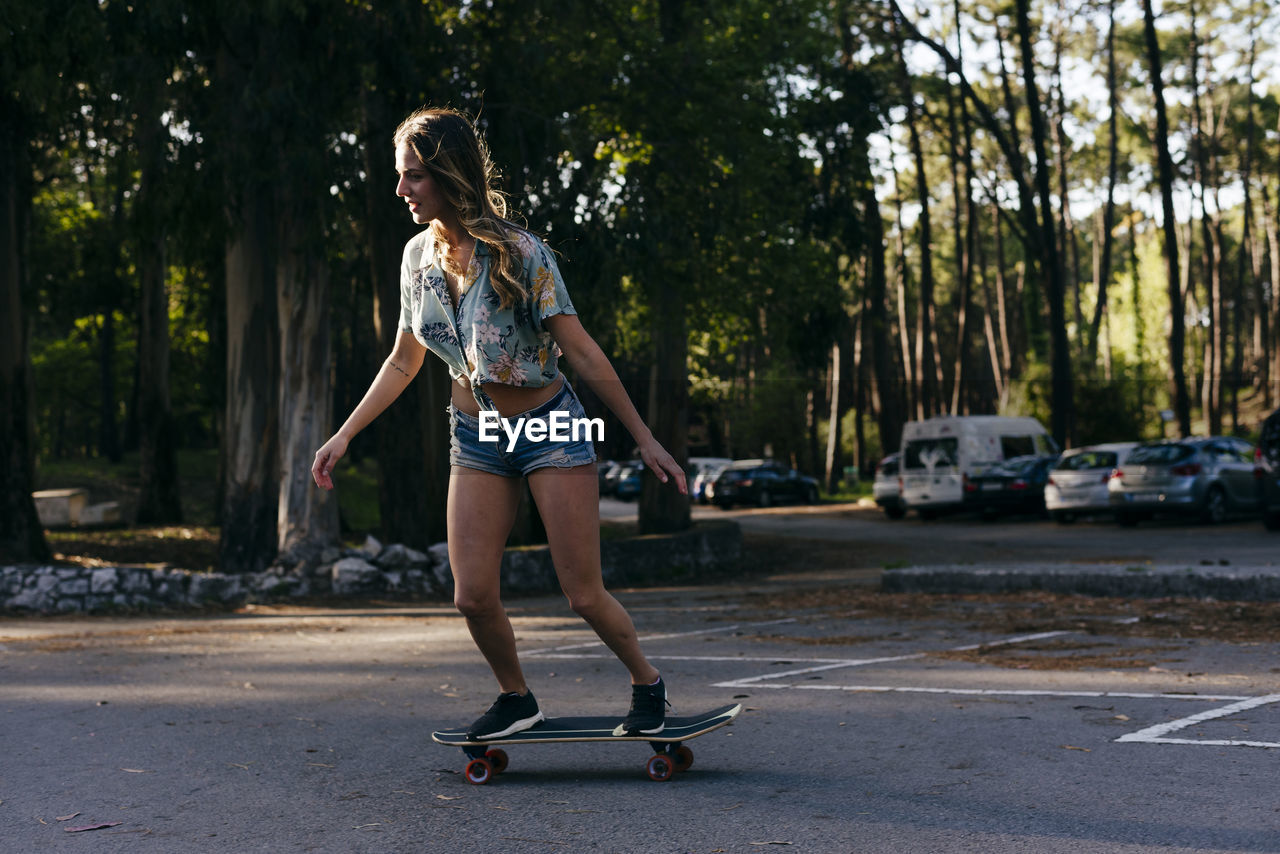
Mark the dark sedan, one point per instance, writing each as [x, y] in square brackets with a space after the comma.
[1013, 486]
[763, 483]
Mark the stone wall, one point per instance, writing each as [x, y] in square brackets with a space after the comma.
[706, 550]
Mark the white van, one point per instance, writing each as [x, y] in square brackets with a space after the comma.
[939, 455]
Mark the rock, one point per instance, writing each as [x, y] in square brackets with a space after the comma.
[397, 556]
[371, 547]
[103, 581]
[355, 575]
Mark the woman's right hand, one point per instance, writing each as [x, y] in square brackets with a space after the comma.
[326, 458]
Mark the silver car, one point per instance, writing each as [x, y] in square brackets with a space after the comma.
[1078, 483]
[886, 489]
[1206, 477]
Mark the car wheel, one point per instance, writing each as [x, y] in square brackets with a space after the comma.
[1063, 517]
[894, 512]
[928, 515]
[1215, 506]
[811, 495]
[765, 498]
[1271, 521]
[1126, 519]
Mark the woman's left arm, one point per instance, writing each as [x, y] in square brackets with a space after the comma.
[590, 363]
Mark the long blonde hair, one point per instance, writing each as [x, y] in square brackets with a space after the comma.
[448, 145]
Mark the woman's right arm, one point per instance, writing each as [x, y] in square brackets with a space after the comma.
[397, 371]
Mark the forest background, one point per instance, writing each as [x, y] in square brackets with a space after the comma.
[793, 226]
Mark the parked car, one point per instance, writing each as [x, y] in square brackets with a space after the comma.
[603, 467]
[886, 489]
[1210, 477]
[702, 471]
[1078, 483]
[762, 482]
[626, 485]
[939, 454]
[1266, 459]
[1013, 486]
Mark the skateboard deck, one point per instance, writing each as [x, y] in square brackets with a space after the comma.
[670, 754]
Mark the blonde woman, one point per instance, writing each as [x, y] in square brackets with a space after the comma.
[486, 296]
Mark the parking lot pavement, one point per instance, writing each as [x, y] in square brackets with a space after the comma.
[873, 723]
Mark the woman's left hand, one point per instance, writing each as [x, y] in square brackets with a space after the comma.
[663, 465]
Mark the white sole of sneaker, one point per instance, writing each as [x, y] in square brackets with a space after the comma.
[518, 726]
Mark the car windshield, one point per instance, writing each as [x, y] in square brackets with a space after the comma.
[1161, 455]
[1086, 460]
[930, 453]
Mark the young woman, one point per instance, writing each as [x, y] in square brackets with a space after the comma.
[486, 296]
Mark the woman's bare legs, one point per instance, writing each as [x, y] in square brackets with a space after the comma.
[482, 509]
[569, 501]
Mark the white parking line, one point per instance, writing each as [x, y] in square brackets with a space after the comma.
[648, 638]
[1155, 734]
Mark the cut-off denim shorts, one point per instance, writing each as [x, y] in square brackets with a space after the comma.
[466, 449]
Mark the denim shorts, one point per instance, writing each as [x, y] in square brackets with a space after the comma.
[527, 455]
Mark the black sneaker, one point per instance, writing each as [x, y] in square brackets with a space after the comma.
[509, 714]
[648, 710]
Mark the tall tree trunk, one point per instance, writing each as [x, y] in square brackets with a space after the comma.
[926, 391]
[1061, 399]
[159, 500]
[21, 536]
[1109, 211]
[904, 318]
[961, 196]
[1070, 247]
[109, 428]
[1164, 171]
[307, 520]
[834, 460]
[1212, 257]
[251, 471]
[412, 435]
[662, 509]
[889, 413]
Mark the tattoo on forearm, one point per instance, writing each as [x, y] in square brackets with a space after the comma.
[397, 367]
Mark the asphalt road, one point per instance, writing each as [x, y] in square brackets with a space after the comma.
[867, 729]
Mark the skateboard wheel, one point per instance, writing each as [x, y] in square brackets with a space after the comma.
[684, 758]
[661, 767]
[497, 758]
[479, 771]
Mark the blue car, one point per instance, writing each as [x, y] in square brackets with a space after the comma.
[627, 485]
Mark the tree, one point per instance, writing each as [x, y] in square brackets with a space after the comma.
[1062, 404]
[1164, 167]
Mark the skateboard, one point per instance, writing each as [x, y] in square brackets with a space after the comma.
[486, 759]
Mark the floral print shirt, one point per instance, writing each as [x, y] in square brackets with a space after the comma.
[484, 341]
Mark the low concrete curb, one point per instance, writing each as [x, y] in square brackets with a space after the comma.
[1229, 583]
[707, 549]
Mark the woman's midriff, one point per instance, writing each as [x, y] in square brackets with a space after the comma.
[510, 400]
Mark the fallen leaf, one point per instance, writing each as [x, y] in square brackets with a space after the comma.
[363, 826]
[1073, 747]
[772, 842]
[1121, 718]
[237, 765]
[93, 826]
[136, 770]
[67, 817]
[448, 797]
